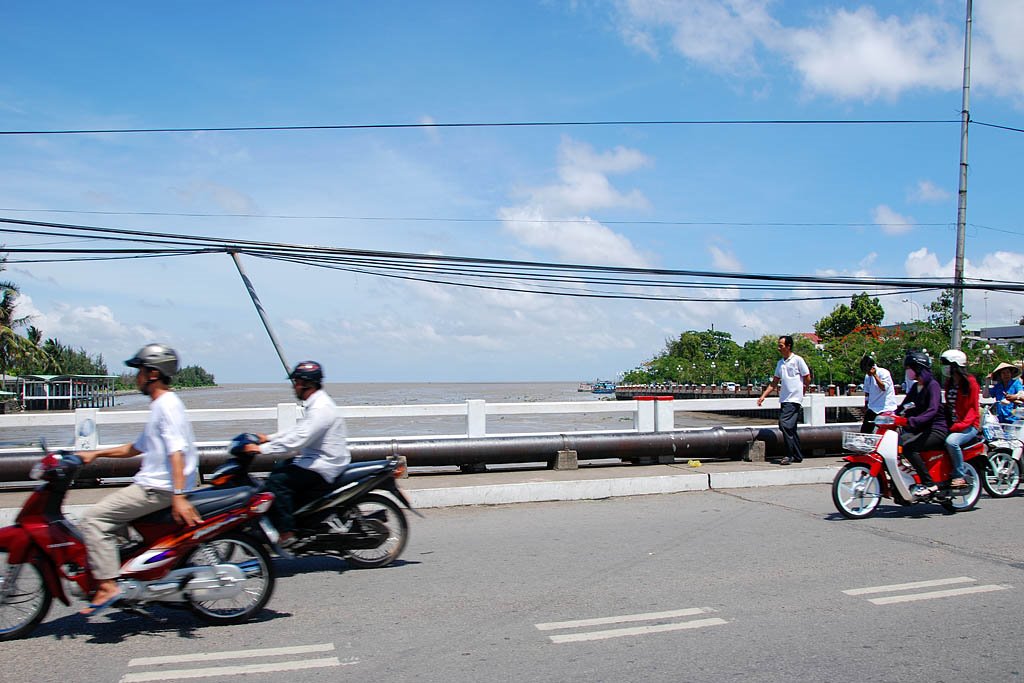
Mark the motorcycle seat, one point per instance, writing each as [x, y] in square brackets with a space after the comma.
[359, 470]
[206, 502]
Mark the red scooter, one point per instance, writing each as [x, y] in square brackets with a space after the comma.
[218, 569]
[876, 470]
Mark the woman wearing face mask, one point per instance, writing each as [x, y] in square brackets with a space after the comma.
[926, 427]
[963, 413]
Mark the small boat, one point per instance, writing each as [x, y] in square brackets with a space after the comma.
[603, 387]
[586, 386]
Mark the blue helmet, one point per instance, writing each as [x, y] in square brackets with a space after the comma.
[241, 441]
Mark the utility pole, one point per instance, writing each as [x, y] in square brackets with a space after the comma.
[961, 209]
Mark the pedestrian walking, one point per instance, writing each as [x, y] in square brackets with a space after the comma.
[792, 377]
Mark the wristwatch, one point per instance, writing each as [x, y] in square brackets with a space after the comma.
[180, 492]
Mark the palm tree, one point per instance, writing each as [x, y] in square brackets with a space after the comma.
[13, 347]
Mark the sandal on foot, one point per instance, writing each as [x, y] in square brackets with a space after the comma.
[95, 608]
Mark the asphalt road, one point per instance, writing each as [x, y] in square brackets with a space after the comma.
[760, 584]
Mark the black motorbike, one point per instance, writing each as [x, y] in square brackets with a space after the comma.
[350, 518]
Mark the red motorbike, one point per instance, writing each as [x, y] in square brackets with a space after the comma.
[876, 470]
[218, 569]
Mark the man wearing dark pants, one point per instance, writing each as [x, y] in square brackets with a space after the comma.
[319, 442]
[792, 377]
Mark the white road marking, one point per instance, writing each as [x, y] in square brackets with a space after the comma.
[632, 630]
[635, 630]
[893, 599]
[179, 674]
[233, 654]
[909, 586]
[650, 616]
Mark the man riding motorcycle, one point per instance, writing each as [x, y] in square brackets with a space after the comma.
[169, 465]
[319, 440]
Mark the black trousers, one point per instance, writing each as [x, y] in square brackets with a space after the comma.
[913, 444]
[789, 415]
[293, 487]
[868, 425]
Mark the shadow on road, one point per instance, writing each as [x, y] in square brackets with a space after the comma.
[119, 625]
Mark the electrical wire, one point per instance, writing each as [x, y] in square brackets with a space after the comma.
[491, 124]
[533, 277]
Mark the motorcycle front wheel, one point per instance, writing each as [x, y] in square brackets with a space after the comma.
[969, 498]
[377, 513]
[856, 493]
[1002, 474]
[250, 556]
[24, 598]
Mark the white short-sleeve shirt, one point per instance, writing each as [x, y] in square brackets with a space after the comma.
[167, 431]
[880, 400]
[791, 372]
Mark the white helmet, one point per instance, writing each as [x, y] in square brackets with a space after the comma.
[954, 357]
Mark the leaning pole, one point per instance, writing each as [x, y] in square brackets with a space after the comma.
[259, 309]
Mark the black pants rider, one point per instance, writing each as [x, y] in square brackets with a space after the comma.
[293, 487]
[914, 443]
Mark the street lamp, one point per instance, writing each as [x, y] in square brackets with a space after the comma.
[914, 303]
[712, 372]
[986, 354]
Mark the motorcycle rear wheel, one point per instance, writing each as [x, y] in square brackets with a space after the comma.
[373, 506]
[856, 493]
[24, 598]
[966, 501]
[1002, 474]
[252, 558]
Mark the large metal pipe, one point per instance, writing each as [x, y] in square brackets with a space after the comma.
[717, 442]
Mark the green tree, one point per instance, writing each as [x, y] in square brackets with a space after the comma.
[194, 376]
[940, 317]
[14, 349]
[863, 310]
[60, 359]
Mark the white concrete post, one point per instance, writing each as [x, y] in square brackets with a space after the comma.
[664, 414]
[644, 420]
[814, 410]
[287, 416]
[476, 418]
[86, 435]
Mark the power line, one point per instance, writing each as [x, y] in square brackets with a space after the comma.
[491, 124]
[533, 277]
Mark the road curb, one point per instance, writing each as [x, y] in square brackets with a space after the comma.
[577, 489]
[536, 492]
[803, 475]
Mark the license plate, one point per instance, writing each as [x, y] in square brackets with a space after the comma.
[269, 530]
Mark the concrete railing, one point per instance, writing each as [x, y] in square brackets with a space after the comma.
[647, 414]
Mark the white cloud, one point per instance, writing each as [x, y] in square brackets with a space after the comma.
[94, 328]
[724, 260]
[722, 35]
[861, 55]
[553, 217]
[845, 53]
[928, 192]
[891, 222]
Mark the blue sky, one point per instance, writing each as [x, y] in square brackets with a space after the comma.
[871, 201]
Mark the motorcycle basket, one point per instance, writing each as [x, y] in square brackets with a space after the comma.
[1004, 431]
[860, 443]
